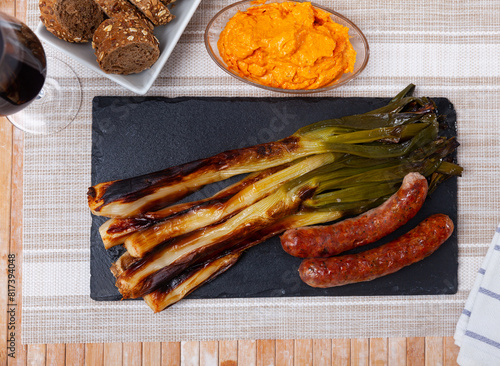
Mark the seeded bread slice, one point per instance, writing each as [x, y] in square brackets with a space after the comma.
[154, 10]
[122, 9]
[71, 20]
[125, 46]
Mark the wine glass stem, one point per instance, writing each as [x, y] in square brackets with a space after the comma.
[41, 94]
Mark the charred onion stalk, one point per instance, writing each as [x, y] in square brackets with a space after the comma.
[168, 260]
[302, 218]
[361, 184]
[374, 134]
[122, 263]
[142, 242]
[189, 280]
[115, 231]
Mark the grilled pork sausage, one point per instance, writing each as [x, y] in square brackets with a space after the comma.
[327, 241]
[410, 248]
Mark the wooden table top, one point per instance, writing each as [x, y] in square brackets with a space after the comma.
[375, 351]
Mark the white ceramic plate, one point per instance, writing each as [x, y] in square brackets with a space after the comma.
[168, 35]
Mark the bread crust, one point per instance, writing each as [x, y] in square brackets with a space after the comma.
[122, 9]
[50, 18]
[154, 10]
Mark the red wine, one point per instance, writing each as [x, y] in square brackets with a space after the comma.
[22, 65]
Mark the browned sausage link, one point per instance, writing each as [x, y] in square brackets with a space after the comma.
[410, 248]
[327, 241]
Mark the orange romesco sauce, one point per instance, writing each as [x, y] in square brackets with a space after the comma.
[287, 45]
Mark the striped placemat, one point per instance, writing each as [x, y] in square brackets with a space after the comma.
[448, 49]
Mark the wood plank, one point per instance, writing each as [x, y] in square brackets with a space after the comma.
[21, 8]
[75, 354]
[94, 354]
[266, 352]
[322, 352]
[56, 354]
[209, 353]
[8, 6]
[16, 218]
[397, 351]
[228, 353]
[341, 352]
[247, 353]
[113, 354]
[5, 201]
[360, 351]
[131, 353]
[171, 354]
[16, 237]
[378, 352]
[415, 351]
[13, 139]
[303, 352]
[36, 355]
[450, 351]
[151, 353]
[284, 352]
[7, 145]
[433, 351]
[190, 353]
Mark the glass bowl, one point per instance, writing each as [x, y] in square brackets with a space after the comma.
[218, 22]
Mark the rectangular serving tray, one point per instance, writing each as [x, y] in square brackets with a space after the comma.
[137, 135]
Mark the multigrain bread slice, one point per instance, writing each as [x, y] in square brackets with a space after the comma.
[125, 46]
[154, 10]
[71, 20]
[122, 9]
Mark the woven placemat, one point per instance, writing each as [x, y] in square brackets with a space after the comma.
[448, 49]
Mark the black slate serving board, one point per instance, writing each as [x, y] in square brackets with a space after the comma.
[137, 135]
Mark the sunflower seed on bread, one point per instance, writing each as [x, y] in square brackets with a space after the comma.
[154, 10]
[122, 9]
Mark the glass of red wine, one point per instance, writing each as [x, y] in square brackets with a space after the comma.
[31, 100]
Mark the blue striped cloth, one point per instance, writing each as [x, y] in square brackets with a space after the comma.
[478, 329]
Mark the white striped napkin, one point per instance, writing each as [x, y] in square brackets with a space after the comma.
[478, 329]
